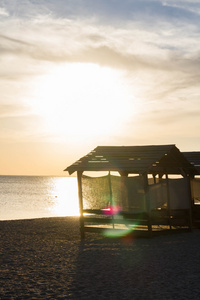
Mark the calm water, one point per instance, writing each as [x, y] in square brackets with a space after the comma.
[26, 197]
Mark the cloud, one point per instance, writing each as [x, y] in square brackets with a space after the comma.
[3, 12]
[13, 110]
[49, 39]
[161, 60]
[113, 11]
[155, 43]
[191, 7]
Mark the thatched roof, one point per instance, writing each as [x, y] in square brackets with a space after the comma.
[194, 159]
[153, 159]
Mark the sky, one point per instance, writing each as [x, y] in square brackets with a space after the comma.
[76, 74]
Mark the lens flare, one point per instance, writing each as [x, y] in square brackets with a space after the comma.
[116, 232]
[119, 233]
[111, 210]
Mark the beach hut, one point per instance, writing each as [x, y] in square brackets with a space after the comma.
[194, 158]
[140, 192]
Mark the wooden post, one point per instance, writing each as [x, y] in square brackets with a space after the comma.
[168, 201]
[191, 204]
[111, 200]
[145, 176]
[160, 177]
[79, 177]
[123, 196]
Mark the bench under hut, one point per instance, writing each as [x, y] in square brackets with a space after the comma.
[137, 191]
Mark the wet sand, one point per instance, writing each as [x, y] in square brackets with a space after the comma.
[45, 259]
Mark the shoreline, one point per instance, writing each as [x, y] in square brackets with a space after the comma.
[41, 218]
[44, 258]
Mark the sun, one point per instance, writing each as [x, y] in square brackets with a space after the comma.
[82, 100]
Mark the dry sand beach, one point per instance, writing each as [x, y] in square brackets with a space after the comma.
[45, 259]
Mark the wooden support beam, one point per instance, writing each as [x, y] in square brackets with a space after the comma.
[80, 197]
[154, 178]
[191, 202]
[145, 176]
[168, 201]
[111, 198]
[123, 196]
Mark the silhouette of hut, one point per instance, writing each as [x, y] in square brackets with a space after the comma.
[142, 194]
[194, 158]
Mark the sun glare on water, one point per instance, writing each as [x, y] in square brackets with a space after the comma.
[65, 194]
[80, 100]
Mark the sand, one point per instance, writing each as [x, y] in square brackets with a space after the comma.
[45, 259]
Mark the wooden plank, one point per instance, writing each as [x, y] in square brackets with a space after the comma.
[126, 215]
[97, 220]
[147, 148]
[93, 211]
[102, 229]
[147, 204]
[114, 231]
[125, 155]
[79, 175]
[117, 221]
[111, 198]
[190, 199]
[93, 229]
[168, 200]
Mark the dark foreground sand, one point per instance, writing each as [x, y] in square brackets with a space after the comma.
[45, 259]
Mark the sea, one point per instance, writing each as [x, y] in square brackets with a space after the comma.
[29, 197]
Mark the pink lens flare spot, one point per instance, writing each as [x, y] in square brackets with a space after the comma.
[112, 210]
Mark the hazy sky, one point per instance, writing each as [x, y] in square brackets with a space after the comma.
[76, 74]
